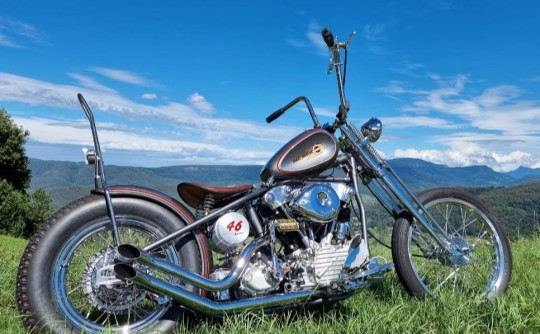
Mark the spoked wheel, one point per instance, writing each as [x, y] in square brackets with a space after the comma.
[484, 265]
[66, 280]
[88, 292]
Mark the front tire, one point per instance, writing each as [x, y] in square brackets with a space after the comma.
[64, 282]
[424, 268]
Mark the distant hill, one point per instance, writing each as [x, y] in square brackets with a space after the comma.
[66, 181]
[524, 174]
[517, 207]
[420, 174]
[513, 197]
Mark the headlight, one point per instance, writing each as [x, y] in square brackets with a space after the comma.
[372, 129]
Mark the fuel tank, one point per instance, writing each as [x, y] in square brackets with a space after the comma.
[308, 154]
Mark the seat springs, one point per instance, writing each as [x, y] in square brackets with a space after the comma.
[206, 206]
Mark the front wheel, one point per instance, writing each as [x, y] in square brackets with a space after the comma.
[423, 267]
[66, 283]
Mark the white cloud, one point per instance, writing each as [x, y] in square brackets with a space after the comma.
[501, 153]
[319, 111]
[409, 69]
[16, 88]
[122, 76]
[8, 42]
[496, 108]
[504, 129]
[16, 33]
[314, 36]
[299, 44]
[396, 87]
[472, 155]
[149, 96]
[418, 121]
[190, 129]
[89, 82]
[114, 137]
[200, 103]
[534, 79]
[312, 40]
[376, 31]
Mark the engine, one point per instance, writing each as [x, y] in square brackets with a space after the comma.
[312, 240]
[319, 202]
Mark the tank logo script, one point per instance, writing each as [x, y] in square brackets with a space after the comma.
[311, 152]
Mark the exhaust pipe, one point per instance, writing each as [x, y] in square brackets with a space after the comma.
[128, 253]
[197, 303]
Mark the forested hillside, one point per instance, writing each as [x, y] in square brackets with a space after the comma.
[517, 206]
[66, 181]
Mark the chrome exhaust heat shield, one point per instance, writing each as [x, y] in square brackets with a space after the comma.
[201, 304]
[128, 254]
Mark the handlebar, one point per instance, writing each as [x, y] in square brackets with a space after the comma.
[335, 62]
[328, 37]
[275, 115]
[282, 110]
[335, 48]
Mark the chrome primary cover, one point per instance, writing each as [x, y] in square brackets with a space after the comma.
[306, 155]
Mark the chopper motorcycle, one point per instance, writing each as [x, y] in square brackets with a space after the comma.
[132, 259]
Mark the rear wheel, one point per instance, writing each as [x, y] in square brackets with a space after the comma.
[65, 279]
[423, 267]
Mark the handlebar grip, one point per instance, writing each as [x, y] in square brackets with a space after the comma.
[328, 37]
[275, 115]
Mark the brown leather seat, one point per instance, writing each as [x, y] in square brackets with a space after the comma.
[195, 193]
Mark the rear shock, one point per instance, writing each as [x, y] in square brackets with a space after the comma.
[206, 207]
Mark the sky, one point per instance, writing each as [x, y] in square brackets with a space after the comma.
[455, 82]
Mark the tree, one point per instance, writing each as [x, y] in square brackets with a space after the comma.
[12, 207]
[20, 213]
[13, 159]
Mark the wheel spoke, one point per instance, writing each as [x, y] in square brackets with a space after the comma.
[477, 269]
[111, 303]
[478, 239]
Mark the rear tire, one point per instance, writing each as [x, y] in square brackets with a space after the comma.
[421, 264]
[58, 282]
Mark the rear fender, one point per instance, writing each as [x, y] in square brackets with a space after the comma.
[173, 206]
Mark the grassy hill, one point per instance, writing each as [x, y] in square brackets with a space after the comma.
[382, 308]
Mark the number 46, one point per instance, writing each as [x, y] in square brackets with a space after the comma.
[237, 226]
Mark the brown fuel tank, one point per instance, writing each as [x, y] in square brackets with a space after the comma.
[308, 154]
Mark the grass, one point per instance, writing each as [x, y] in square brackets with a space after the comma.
[382, 308]
[11, 250]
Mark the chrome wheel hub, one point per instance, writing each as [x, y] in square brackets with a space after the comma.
[106, 292]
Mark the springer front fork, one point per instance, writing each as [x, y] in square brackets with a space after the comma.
[392, 193]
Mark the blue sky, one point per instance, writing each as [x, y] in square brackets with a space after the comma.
[178, 82]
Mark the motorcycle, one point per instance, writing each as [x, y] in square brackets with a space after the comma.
[132, 259]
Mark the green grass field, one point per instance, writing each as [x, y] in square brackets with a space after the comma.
[381, 308]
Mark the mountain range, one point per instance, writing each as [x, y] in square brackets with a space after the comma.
[514, 197]
[66, 181]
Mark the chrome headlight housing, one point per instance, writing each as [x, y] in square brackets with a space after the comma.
[372, 129]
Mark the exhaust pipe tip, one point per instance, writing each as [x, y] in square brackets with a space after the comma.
[124, 271]
[127, 253]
